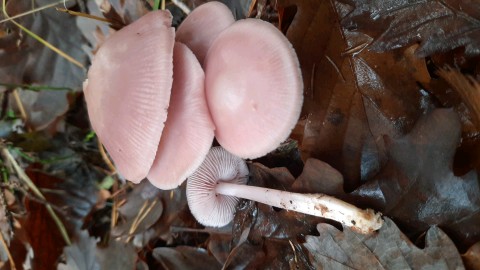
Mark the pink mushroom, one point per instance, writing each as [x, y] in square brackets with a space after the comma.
[213, 192]
[254, 87]
[188, 132]
[128, 92]
[202, 26]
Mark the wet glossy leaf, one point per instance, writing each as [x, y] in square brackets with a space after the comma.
[185, 257]
[117, 255]
[352, 97]
[24, 60]
[439, 26]
[417, 186]
[386, 249]
[81, 254]
[471, 258]
[141, 210]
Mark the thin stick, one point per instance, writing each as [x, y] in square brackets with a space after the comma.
[84, 15]
[133, 227]
[20, 106]
[23, 176]
[105, 158]
[10, 259]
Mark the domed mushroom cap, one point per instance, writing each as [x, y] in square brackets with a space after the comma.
[188, 132]
[128, 92]
[208, 207]
[254, 88]
[202, 26]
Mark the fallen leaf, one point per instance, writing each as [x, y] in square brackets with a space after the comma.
[439, 26]
[140, 212]
[117, 255]
[352, 97]
[417, 186]
[185, 257]
[81, 254]
[386, 249]
[471, 258]
[24, 60]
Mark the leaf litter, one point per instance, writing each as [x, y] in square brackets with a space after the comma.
[369, 134]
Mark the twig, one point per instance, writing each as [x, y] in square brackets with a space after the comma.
[84, 15]
[10, 259]
[105, 158]
[140, 217]
[24, 177]
[21, 108]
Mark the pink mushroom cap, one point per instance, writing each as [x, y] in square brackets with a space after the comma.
[128, 92]
[202, 26]
[254, 88]
[189, 129]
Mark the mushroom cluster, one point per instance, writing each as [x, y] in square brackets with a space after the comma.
[157, 98]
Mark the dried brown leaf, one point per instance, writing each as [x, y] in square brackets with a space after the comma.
[471, 258]
[352, 97]
[185, 257]
[386, 249]
[417, 186]
[24, 60]
[439, 26]
[81, 254]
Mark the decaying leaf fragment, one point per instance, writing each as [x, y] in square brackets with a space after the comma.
[24, 60]
[387, 249]
[81, 254]
[352, 96]
[417, 186]
[440, 26]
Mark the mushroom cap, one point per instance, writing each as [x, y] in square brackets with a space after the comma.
[254, 88]
[209, 208]
[128, 92]
[188, 132]
[202, 26]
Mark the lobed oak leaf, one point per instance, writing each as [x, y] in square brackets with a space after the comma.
[417, 186]
[386, 249]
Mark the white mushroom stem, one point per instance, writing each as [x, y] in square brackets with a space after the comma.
[320, 205]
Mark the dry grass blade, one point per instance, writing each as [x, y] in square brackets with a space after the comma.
[467, 87]
[33, 11]
[41, 40]
[24, 177]
[9, 255]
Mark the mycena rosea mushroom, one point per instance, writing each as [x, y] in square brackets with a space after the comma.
[188, 132]
[213, 192]
[128, 92]
[254, 87]
[202, 26]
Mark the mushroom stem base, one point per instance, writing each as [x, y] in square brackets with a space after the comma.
[320, 205]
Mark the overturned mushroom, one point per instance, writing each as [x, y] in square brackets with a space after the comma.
[213, 192]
